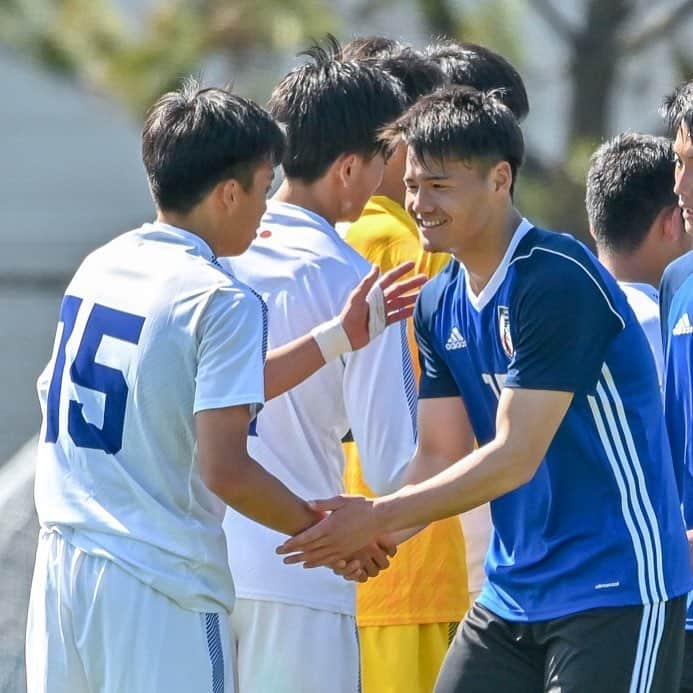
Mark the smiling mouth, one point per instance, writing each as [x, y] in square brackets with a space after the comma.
[429, 223]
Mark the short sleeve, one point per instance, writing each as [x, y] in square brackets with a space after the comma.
[436, 379]
[562, 321]
[230, 365]
[674, 276]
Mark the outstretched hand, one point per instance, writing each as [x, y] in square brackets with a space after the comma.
[398, 299]
[350, 526]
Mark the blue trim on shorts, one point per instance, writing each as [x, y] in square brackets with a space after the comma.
[216, 652]
[358, 656]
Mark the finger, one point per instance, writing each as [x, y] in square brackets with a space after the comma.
[327, 556]
[326, 504]
[400, 302]
[346, 569]
[394, 274]
[305, 551]
[411, 284]
[365, 285]
[390, 548]
[371, 568]
[380, 560]
[322, 560]
[312, 537]
[397, 315]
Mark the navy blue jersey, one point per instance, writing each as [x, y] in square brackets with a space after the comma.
[676, 301]
[599, 524]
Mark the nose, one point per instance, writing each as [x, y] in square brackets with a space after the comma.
[419, 201]
[683, 181]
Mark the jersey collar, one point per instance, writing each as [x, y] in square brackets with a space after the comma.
[479, 302]
[296, 216]
[174, 234]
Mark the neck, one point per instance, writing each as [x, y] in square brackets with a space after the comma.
[392, 188]
[314, 197]
[633, 267]
[194, 222]
[483, 255]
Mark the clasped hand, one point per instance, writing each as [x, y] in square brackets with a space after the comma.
[346, 540]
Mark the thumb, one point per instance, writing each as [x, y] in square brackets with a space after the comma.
[327, 504]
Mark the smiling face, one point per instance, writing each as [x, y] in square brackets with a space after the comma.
[450, 200]
[683, 175]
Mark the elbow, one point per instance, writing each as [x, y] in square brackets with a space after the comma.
[522, 464]
[226, 479]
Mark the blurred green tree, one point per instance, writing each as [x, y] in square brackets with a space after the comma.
[138, 55]
[608, 35]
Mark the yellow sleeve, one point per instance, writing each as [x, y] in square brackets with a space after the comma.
[382, 240]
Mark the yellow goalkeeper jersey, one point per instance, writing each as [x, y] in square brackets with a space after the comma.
[427, 580]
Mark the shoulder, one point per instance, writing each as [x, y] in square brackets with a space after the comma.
[676, 273]
[557, 259]
[555, 269]
[554, 253]
[433, 293]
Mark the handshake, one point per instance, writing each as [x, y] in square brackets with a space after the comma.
[347, 539]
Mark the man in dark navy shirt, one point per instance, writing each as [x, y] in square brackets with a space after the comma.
[527, 341]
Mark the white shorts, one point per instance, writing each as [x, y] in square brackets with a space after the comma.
[94, 627]
[284, 648]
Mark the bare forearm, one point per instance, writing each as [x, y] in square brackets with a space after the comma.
[421, 468]
[483, 475]
[291, 364]
[262, 497]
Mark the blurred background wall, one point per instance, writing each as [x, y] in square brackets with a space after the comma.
[78, 75]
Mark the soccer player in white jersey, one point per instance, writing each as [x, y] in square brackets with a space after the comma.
[527, 338]
[636, 222]
[156, 374]
[295, 629]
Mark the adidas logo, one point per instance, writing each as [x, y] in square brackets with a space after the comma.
[455, 340]
[683, 326]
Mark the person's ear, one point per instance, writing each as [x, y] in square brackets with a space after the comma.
[501, 177]
[671, 223]
[347, 168]
[227, 194]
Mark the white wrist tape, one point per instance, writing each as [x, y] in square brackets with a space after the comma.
[376, 312]
[331, 338]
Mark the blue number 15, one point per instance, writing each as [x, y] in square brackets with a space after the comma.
[86, 372]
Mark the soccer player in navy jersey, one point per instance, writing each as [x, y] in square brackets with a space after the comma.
[676, 305]
[636, 223]
[526, 338]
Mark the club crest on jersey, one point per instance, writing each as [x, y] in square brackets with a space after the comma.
[504, 331]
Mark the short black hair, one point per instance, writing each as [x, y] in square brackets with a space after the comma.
[461, 123]
[330, 107]
[417, 74]
[471, 65]
[370, 47]
[629, 182]
[677, 108]
[195, 138]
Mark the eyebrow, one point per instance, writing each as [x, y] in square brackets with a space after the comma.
[428, 178]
